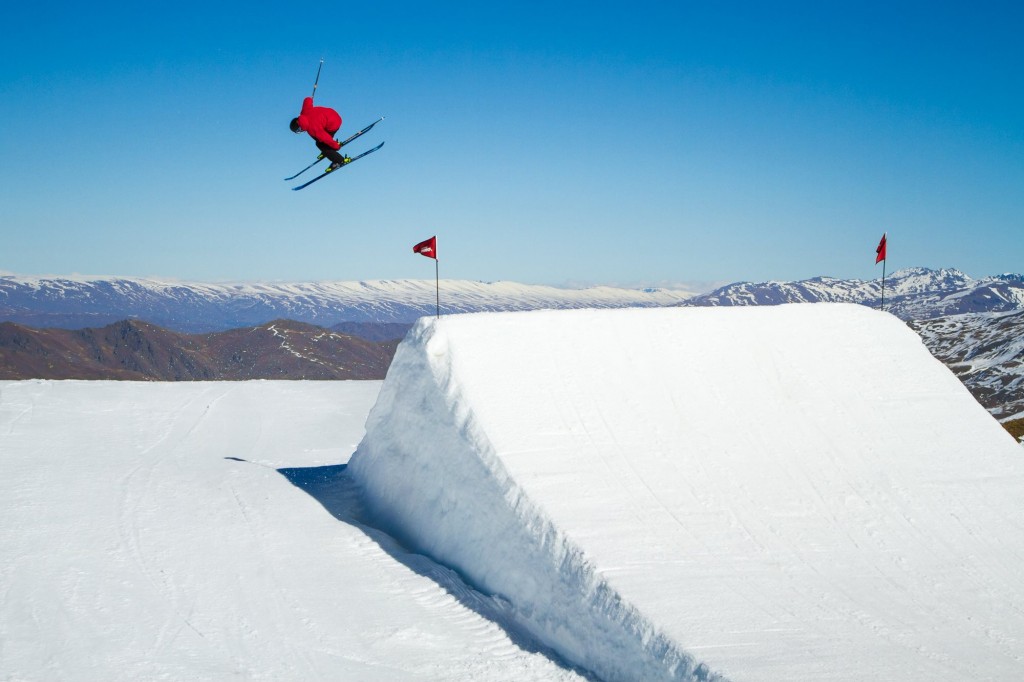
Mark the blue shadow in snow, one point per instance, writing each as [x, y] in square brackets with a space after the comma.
[333, 487]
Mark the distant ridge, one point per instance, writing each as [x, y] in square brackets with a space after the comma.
[76, 302]
[193, 307]
[910, 294]
[136, 350]
[960, 318]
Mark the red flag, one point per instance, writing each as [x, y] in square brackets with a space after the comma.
[427, 247]
[880, 250]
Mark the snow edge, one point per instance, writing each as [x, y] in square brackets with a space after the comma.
[430, 477]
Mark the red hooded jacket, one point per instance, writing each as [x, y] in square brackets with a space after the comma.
[320, 122]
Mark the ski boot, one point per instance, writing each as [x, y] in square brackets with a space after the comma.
[335, 165]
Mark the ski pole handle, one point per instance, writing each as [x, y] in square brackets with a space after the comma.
[317, 77]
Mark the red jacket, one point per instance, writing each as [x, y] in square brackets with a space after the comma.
[320, 122]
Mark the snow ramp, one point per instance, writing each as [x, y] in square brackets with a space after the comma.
[796, 493]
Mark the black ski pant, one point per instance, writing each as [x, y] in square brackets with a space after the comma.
[332, 154]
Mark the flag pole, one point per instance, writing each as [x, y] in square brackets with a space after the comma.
[882, 256]
[882, 305]
[428, 248]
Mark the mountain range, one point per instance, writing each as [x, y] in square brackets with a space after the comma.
[232, 331]
[986, 351]
[76, 302]
[910, 294]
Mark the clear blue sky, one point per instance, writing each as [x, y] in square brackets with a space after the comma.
[627, 143]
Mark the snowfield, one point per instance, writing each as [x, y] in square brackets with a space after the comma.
[147, 533]
[793, 493]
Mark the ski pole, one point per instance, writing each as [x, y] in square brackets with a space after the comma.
[317, 77]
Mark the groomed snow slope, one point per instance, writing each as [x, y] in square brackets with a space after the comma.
[795, 493]
[147, 533]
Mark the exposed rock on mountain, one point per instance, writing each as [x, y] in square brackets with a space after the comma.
[911, 294]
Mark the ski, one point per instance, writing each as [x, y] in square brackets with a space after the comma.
[342, 144]
[328, 172]
[318, 160]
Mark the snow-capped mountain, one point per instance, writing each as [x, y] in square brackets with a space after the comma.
[911, 294]
[986, 350]
[76, 302]
[970, 315]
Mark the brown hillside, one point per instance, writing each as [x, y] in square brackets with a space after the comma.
[141, 351]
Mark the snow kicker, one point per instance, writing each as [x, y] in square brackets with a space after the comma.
[790, 493]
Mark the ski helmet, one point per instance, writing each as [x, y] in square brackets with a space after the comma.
[294, 125]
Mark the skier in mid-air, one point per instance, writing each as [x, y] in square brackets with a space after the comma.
[322, 124]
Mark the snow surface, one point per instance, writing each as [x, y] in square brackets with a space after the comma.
[790, 493]
[794, 493]
[179, 531]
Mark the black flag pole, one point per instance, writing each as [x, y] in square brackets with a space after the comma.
[437, 286]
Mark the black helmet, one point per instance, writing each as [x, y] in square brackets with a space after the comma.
[294, 125]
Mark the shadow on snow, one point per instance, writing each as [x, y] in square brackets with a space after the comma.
[333, 487]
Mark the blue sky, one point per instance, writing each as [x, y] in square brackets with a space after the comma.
[641, 143]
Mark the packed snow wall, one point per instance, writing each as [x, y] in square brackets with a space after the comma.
[789, 493]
